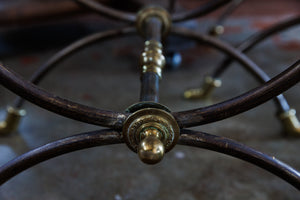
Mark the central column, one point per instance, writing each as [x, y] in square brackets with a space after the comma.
[151, 23]
[151, 130]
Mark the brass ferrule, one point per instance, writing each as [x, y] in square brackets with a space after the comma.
[150, 132]
[152, 59]
[153, 11]
[12, 120]
[290, 122]
[205, 91]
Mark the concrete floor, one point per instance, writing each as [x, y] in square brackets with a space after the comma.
[186, 173]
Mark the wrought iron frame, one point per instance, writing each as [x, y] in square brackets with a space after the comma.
[152, 28]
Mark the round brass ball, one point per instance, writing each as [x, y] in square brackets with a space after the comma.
[151, 150]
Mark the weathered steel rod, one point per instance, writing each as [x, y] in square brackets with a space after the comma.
[247, 63]
[235, 149]
[53, 103]
[149, 78]
[189, 118]
[221, 46]
[200, 11]
[131, 17]
[149, 87]
[50, 64]
[254, 40]
[188, 137]
[251, 42]
[242, 103]
[108, 12]
[228, 11]
[57, 148]
[217, 28]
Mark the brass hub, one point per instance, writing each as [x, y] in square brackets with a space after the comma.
[151, 132]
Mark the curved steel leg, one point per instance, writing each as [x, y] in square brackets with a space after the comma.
[241, 103]
[191, 138]
[235, 149]
[289, 121]
[10, 124]
[218, 28]
[248, 64]
[245, 46]
[230, 51]
[254, 40]
[50, 64]
[131, 17]
[53, 103]
[201, 11]
[108, 12]
[57, 148]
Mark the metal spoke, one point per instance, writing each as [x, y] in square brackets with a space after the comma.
[58, 105]
[57, 148]
[235, 149]
[241, 103]
[50, 64]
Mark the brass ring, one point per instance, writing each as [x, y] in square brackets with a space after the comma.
[154, 118]
[154, 11]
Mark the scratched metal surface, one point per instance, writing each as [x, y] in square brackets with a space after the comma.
[186, 173]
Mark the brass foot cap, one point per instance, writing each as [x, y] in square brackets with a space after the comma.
[205, 91]
[12, 119]
[216, 30]
[290, 122]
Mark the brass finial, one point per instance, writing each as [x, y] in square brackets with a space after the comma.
[151, 150]
[151, 132]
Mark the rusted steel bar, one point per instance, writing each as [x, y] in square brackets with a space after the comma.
[149, 77]
[251, 42]
[255, 39]
[108, 12]
[50, 64]
[228, 11]
[131, 17]
[188, 137]
[199, 12]
[235, 149]
[215, 29]
[58, 105]
[57, 148]
[149, 87]
[221, 46]
[248, 64]
[153, 29]
[242, 103]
